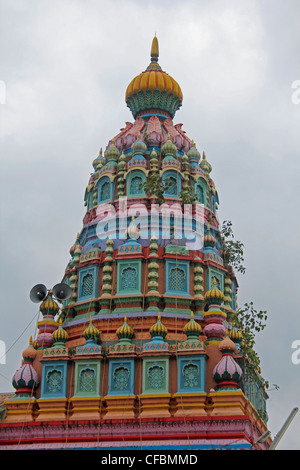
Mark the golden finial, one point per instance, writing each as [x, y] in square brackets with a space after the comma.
[154, 50]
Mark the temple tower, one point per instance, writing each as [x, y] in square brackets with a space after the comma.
[145, 352]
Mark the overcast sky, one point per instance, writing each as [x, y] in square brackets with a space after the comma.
[64, 69]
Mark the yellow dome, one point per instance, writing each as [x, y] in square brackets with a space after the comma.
[91, 332]
[192, 328]
[60, 336]
[49, 306]
[151, 88]
[214, 295]
[125, 333]
[153, 79]
[158, 329]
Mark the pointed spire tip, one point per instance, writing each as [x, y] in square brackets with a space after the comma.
[154, 50]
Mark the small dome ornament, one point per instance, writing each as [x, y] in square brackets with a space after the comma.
[227, 372]
[168, 148]
[205, 165]
[158, 329]
[153, 160]
[99, 161]
[209, 239]
[192, 329]
[125, 333]
[112, 154]
[139, 147]
[193, 154]
[235, 334]
[29, 354]
[91, 333]
[214, 295]
[49, 307]
[60, 336]
[26, 379]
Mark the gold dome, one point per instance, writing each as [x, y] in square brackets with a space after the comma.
[158, 329]
[153, 88]
[214, 295]
[235, 334]
[125, 332]
[192, 328]
[49, 306]
[60, 335]
[91, 332]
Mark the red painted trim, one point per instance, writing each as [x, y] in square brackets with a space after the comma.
[164, 79]
[24, 391]
[118, 438]
[179, 257]
[124, 421]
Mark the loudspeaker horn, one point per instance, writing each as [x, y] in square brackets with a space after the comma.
[62, 291]
[38, 293]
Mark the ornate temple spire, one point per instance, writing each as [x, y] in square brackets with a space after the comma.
[26, 379]
[194, 155]
[227, 373]
[153, 89]
[214, 317]
[146, 354]
[49, 309]
[205, 165]
[99, 161]
[209, 239]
